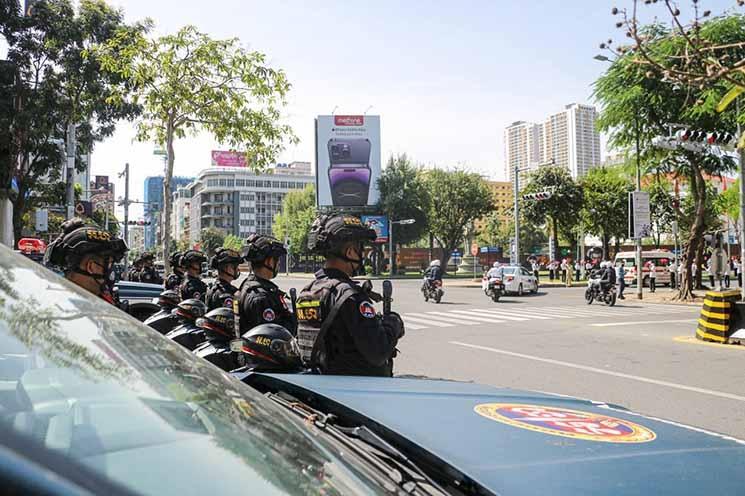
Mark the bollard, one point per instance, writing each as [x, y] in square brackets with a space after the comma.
[716, 314]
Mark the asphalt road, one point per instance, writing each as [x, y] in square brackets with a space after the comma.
[640, 356]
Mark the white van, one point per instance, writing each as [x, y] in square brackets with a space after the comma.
[661, 259]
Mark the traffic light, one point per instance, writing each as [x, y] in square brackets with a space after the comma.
[541, 195]
[138, 222]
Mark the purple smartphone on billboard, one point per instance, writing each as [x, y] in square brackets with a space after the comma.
[349, 171]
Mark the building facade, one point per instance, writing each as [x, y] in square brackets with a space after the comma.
[153, 198]
[136, 238]
[568, 138]
[181, 214]
[504, 202]
[238, 201]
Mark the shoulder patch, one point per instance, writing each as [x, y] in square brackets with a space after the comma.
[196, 295]
[367, 310]
[228, 302]
[268, 315]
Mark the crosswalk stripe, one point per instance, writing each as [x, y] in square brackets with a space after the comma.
[471, 317]
[426, 321]
[414, 327]
[542, 316]
[487, 312]
[575, 313]
[455, 319]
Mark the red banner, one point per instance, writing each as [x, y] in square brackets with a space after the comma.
[222, 158]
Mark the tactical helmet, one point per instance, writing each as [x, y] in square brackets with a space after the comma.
[218, 323]
[259, 247]
[190, 310]
[148, 256]
[225, 256]
[191, 257]
[329, 233]
[496, 265]
[272, 347]
[168, 299]
[434, 263]
[77, 240]
[175, 259]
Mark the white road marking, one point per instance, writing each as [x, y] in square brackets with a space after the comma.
[612, 324]
[596, 370]
[489, 312]
[429, 322]
[414, 327]
[542, 316]
[470, 317]
[455, 319]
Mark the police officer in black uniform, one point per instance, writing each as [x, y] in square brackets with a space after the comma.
[174, 280]
[339, 331]
[148, 273]
[134, 271]
[220, 293]
[260, 301]
[192, 286]
[86, 255]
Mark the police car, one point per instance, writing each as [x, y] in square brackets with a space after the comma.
[93, 402]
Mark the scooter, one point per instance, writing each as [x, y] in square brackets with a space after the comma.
[164, 320]
[432, 290]
[594, 292]
[494, 288]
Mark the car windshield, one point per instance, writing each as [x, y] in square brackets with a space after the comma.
[509, 271]
[82, 378]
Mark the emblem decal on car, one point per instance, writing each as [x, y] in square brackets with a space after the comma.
[566, 423]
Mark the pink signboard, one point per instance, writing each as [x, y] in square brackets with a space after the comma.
[221, 158]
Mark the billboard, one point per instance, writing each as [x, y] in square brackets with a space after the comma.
[347, 160]
[101, 182]
[380, 224]
[640, 225]
[221, 158]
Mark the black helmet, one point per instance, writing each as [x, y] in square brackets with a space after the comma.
[218, 324]
[190, 309]
[259, 247]
[175, 259]
[78, 239]
[168, 299]
[272, 347]
[329, 232]
[148, 256]
[225, 256]
[191, 257]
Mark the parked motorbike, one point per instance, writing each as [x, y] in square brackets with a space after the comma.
[432, 290]
[494, 288]
[187, 333]
[164, 320]
[595, 292]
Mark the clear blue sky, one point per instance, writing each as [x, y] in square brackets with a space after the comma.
[446, 77]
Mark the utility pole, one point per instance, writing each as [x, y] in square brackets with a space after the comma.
[517, 216]
[639, 268]
[126, 208]
[70, 178]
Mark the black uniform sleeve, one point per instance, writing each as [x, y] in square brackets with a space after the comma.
[254, 309]
[374, 341]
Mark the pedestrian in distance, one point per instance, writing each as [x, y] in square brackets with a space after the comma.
[711, 272]
[564, 269]
[672, 269]
[620, 278]
[652, 277]
[551, 271]
[588, 268]
[577, 270]
[536, 268]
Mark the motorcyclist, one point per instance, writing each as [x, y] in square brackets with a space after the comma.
[220, 293]
[86, 255]
[496, 271]
[607, 277]
[339, 331]
[260, 301]
[192, 286]
[148, 273]
[433, 273]
[174, 280]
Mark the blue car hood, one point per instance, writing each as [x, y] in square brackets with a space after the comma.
[518, 443]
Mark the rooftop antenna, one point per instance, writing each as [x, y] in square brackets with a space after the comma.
[332, 112]
[367, 110]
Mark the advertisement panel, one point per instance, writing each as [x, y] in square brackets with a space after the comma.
[101, 182]
[640, 225]
[347, 160]
[222, 158]
[380, 224]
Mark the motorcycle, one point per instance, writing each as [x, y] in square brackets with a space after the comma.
[432, 289]
[494, 288]
[595, 292]
[164, 320]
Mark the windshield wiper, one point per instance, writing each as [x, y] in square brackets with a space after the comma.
[367, 445]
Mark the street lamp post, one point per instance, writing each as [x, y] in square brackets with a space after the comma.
[402, 222]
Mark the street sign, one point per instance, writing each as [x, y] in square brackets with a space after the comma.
[42, 220]
[474, 249]
[675, 227]
[640, 225]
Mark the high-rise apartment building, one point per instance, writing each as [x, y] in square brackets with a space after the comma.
[153, 198]
[181, 213]
[568, 138]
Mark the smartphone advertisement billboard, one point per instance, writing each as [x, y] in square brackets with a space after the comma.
[347, 160]
[380, 224]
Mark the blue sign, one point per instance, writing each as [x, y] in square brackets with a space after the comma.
[490, 249]
[732, 240]
[380, 224]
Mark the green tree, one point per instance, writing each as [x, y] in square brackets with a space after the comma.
[562, 210]
[457, 199]
[639, 100]
[490, 232]
[232, 242]
[531, 236]
[606, 197]
[60, 82]
[189, 82]
[295, 219]
[211, 239]
[404, 196]
[661, 207]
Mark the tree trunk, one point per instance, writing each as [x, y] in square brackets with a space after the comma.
[617, 247]
[166, 220]
[555, 231]
[6, 219]
[606, 243]
[698, 188]
[699, 262]
[19, 208]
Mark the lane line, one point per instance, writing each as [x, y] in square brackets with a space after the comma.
[469, 317]
[431, 318]
[614, 324]
[428, 322]
[488, 313]
[710, 392]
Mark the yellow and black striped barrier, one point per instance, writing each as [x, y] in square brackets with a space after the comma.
[714, 322]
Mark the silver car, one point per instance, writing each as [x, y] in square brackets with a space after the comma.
[519, 280]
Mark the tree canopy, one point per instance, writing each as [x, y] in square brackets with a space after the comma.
[606, 212]
[294, 221]
[403, 195]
